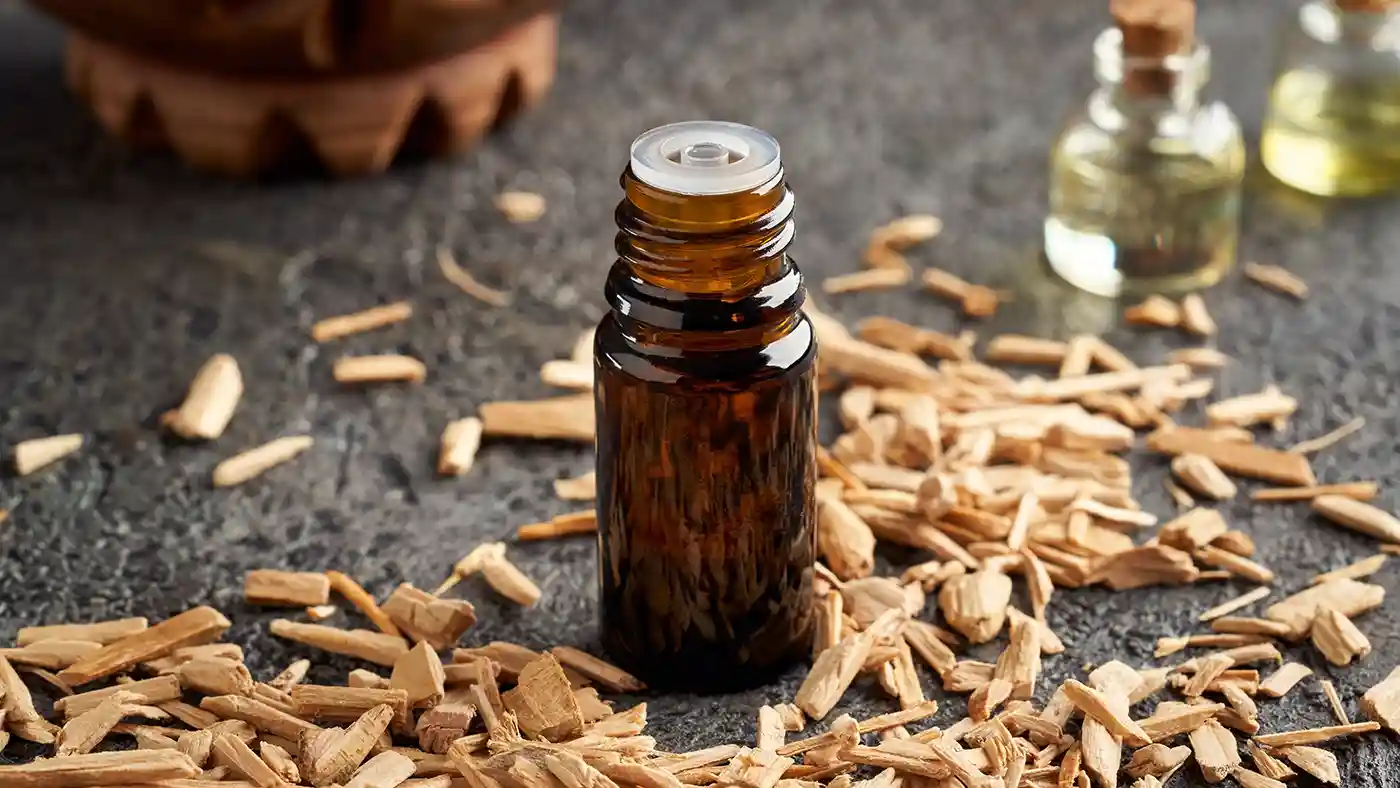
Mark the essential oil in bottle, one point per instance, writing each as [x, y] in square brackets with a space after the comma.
[706, 416]
[1145, 181]
[1333, 125]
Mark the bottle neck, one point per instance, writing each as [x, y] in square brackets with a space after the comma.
[1133, 90]
[707, 272]
[1366, 25]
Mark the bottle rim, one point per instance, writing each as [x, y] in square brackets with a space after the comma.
[705, 157]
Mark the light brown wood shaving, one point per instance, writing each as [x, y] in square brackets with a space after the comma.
[605, 674]
[1361, 491]
[1193, 529]
[1194, 317]
[340, 758]
[1317, 762]
[100, 632]
[1348, 597]
[543, 702]
[1337, 637]
[1358, 569]
[1020, 349]
[1315, 735]
[1238, 603]
[255, 462]
[1201, 476]
[1267, 764]
[569, 524]
[1280, 280]
[1157, 760]
[331, 328]
[289, 589]
[558, 418]
[511, 583]
[844, 540]
[1093, 704]
[50, 654]
[128, 767]
[385, 770]
[906, 231]
[1252, 779]
[1079, 356]
[1241, 459]
[868, 279]
[878, 366]
[1171, 719]
[215, 677]
[1215, 750]
[376, 647]
[1330, 439]
[279, 761]
[1381, 703]
[292, 675]
[379, 369]
[1152, 564]
[193, 627]
[1234, 564]
[86, 730]
[420, 675]
[1267, 406]
[975, 604]
[1154, 311]
[520, 207]
[459, 276]
[356, 595]
[38, 453]
[583, 487]
[460, 441]
[212, 398]
[1199, 357]
[426, 617]
[242, 761]
[1261, 627]
[976, 300]
[894, 335]
[1358, 516]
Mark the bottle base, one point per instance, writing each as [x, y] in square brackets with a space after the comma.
[1091, 262]
[1326, 167]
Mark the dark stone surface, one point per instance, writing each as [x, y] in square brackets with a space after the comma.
[122, 272]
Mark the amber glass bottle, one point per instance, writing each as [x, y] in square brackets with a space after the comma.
[706, 405]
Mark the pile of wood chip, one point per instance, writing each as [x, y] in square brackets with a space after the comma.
[999, 479]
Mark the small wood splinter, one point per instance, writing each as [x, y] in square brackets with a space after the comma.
[379, 369]
[460, 441]
[976, 300]
[208, 407]
[255, 462]
[1279, 280]
[340, 326]
[38, 453]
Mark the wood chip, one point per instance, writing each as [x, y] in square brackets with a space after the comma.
[460, 441]
[1215, 749]
[1337, 637]
[877, 366]
[1241, 459]
[1019, 663]
[1316, 735]
[209, 405]
[1171, 719]
[1234, 564]
[975, 604]
[1155, 311]
[258, 714]
[891, 334]
[583, 487]
[907, 231]
[568, 418]
[38, 453]
[425, 617]
[521, 207]
[844, 540]
[344, 756]
[1363, 568]
[1381, 703]
[192, 627]
[1194, 317]
[235, 753]
[420, 675]
[51, 654]
[1151, 564]
[1199, 357]
[1201, 476]
[356, 595]
[511, 583]
[1358, 516]
[459, 276]
[128, 767]
[1073, 388]
[280, 762]
[215, 677]
[1157, 760]
[1020, 349]
[376, 647]
[1251, 779]
[772, 734]
[1348, 597]
[543, 701]
[1361, 491]
[923, 640]
[1284, 679]
[868, 279]
[976, 300]
[100, 632]
[1238, 603]
[1261, 627]
[1267, 764]
[88, 729]
[1093, 704]
[835, 668]
[330, 328]
[379, 369]
[255, 462]
[1267, 406]
[1329, 690]
[604, 674]
[1317, 762]
[1280, 280]
[449, 720]
[290, 589]
[319, 613]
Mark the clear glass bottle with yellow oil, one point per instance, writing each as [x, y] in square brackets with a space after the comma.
[1145, 181]
[1333, 126]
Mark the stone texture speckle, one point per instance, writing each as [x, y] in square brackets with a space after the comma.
[122, 272]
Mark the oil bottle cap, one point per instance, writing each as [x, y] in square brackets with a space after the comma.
[705, 157]
[1154, 28]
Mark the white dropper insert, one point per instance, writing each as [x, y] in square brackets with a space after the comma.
[705, 157]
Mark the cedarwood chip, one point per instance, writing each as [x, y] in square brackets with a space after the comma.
[38, 453]
[87, 730]
[460, 441]
[1280, 280]
[1155, 311]
[892, 334]
[1093, 704]
[330, 328]
[1316, 735]
[1199, 357]
[376, 647]
[449, 720]
[291, 589]
[420, 675]
[868, 279]
[1020, 349]
[1250, 626]
[1234, 564]
[1194, 317]
[192, 627]
[100, 632]
[255, 462]
[975, 604]
[1215, 749]
[236, 754]
[543, 701]
[567, 374]
[772, 734]
[1238, 603]
[1019, 663]
[878, 366]
[610, 676]
[1348, 597]
[1251, 779]
[1358, 516]
[1266, 406]
[1338, 638]
[835, 668]
[583, 487]
[1171, 719]
[1330, 439]
[976, 300]
[1241, 459]
[521, 207]
[212, 398]
[1329, 690]
[844, 540]
[558, 418]
[1203, 477]
[280, 762]
[1315, 761]
[341, 759]
[511, 583]
[1361, 491]
[1284, 679]
[128, 767]
[1382, 702]
[51, 654]
[425, 617]
[215, 677]
[379, 369]
[459, 276]
[356, 595]
[1267, 764]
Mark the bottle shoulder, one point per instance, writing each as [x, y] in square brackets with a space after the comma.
[1209, 132]
[1326, 39]
[787, 355]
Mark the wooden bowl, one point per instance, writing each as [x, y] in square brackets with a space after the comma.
[244, 87]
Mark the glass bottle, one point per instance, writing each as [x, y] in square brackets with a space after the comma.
[1145, 181]
[1333, 125]
[706, 405]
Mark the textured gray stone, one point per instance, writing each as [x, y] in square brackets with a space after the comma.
[122, 272]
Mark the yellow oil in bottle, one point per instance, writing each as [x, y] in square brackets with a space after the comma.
[1333, 137]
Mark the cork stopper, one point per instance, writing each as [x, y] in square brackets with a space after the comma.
[1367, 6]
[1155, 28]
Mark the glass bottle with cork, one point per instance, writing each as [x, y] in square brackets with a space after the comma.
[706, 413]
[1333, 125]
[1145, 181]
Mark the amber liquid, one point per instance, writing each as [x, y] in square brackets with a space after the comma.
[706, 406]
